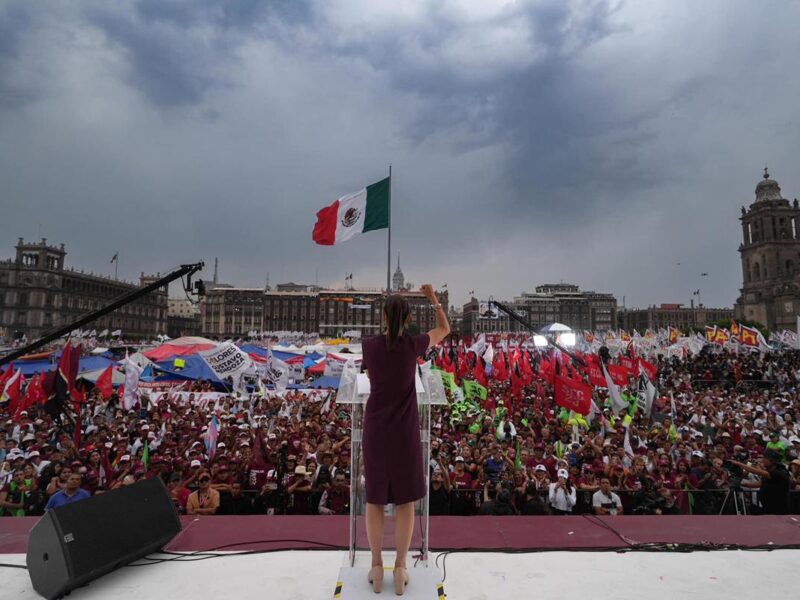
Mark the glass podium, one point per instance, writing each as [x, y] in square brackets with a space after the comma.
[354, 392]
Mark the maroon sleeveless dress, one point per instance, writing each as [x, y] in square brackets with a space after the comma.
[393, 469]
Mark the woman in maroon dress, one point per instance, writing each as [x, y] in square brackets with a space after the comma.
[393, 468]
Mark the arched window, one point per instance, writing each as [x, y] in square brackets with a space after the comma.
[756, 271]
[789, 267]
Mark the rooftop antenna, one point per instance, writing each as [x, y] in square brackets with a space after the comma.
[216, 268]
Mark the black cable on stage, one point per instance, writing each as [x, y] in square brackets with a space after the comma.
[9, 565]
[212, 552]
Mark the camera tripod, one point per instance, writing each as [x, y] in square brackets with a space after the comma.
[737, 495]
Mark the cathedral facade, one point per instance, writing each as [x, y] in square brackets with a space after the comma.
[770, 254]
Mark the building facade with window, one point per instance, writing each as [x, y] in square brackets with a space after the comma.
[183, 318]
[39, 293]
[671, 315]
[234, 312]
[550, 303]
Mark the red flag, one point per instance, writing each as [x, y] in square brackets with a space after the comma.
[104, 383]
[516, 382]
[573, 394]
[31, 396]
[649, 368]
[463, 367]
[526, 365]
[479, 372]
[594, 371]
[619, 374]
[6, 375]
[64, 384]
[546, 370]
[628, 363]
[499, 367]
[12, 391]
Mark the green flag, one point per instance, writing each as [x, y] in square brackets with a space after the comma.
[517, 458]
[449, 380]
[146, 454]
[474, 389]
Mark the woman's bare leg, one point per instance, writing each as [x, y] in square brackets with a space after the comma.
[375, 532]
[403, 530]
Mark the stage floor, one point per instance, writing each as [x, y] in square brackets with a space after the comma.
[301, 575]
[492, 557]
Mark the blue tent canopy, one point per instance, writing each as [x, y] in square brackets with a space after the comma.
[86, 363]
[257, 350]
[264, 352]
[195, 368]
[309, 362]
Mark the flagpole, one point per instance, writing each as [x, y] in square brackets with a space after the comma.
[389, 239]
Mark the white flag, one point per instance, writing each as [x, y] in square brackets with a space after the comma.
[479, 347]
[488, 355]
[132, 374]
[617, 403]
[626, 443]
[277, 372]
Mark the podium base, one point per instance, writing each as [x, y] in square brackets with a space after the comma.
[423, 583]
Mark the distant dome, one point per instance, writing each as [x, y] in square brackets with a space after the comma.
[768, 189]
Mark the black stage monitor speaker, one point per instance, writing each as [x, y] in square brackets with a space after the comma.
[77, 543]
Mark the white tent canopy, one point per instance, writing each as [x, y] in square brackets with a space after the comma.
[555, 328]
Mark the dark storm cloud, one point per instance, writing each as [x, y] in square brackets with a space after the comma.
[170, 70]
[596, 142]
[16, 20]
[177, 50]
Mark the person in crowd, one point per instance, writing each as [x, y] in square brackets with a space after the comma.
[72, 492]
[439, 493]
[562, 494]
[205, 499]
[497, 501]
[299, 491]
[606, 502]
[335, 500]
[533, 504]
[773, 485]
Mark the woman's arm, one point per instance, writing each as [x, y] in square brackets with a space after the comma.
[442, 329]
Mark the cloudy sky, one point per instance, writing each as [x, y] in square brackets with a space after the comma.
[609, 144]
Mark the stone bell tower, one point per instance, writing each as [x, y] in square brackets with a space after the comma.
[770, 254]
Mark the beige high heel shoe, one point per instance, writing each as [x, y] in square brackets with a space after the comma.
[400, 580]
[375, 577]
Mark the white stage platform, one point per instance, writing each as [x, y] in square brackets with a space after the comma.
[312, 575]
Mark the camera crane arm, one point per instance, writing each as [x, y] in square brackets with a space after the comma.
[515, 317]
[184, 270]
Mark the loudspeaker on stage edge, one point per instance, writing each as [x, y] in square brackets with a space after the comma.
[77, 543]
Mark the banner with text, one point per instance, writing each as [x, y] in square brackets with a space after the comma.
[226, 360]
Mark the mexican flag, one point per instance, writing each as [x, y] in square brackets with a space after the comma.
[354, 214]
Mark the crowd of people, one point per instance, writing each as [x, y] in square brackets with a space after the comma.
[723, 436]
